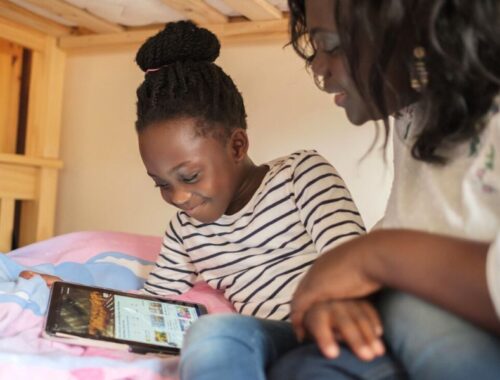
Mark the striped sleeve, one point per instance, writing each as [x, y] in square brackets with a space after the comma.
[173, 273]
[325, 205]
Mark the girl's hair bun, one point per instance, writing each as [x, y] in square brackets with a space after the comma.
[179, 42]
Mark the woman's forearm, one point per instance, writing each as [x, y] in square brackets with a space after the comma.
[447, 271]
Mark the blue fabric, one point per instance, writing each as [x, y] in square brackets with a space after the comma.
[220, 347]
[109, 269]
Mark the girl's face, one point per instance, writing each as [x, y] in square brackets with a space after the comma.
[197, 174]
[329, 63]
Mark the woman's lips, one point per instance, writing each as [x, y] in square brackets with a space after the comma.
[340, 99]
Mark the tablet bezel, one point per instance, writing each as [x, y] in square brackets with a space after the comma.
[106, 342]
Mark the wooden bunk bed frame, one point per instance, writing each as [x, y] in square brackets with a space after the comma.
[30, 177]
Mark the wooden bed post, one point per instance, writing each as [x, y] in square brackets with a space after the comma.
[41, 149]
[42, 140]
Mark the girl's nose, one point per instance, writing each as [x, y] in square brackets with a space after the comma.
[180, 197]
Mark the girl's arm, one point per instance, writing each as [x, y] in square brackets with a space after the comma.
[447, 271]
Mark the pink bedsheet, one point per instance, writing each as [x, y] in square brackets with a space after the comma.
[114, 260]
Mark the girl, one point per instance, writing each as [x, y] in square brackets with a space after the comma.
[435, 66]
[251, 231]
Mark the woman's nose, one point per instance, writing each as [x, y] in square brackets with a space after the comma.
[319, 64]
[180, 197]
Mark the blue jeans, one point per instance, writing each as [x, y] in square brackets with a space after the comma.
[433, 344]
[237, 347]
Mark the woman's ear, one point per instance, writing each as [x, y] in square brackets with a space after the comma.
[238, 144]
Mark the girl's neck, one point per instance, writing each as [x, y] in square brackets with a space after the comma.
[251, 178]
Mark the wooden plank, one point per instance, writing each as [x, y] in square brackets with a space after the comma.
[45, 102]
[242, 28]
[38, 216]
[256, 10]
[197, 11]
[278, 37]
[77, 15]
[10, 85]
[234, 32]
[31, 20]
[7, 208]
[17, 182]
[22, 160]
[19, 34]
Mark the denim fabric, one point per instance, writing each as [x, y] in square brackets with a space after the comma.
[236, 347]
[306, 362]
[433, 344]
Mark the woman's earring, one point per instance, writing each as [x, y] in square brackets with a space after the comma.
[419, 76]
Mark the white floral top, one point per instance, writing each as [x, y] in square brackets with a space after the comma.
[461, 198]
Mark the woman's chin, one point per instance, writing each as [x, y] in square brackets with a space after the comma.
[356, 118]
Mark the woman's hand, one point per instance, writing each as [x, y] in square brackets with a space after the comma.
[355, 322]
[337, 274]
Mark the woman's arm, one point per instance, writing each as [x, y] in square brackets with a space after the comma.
[447, 271]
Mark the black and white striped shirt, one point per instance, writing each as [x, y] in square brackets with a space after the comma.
[258, 255]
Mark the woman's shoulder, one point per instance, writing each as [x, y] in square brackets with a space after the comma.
[490, 134]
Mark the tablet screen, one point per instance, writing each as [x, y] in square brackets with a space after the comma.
[103, 314]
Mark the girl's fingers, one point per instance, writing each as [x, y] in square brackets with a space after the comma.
[319, 325]
[26, 274]
[351, 327]
[49, 279]
[373, 316]
[365, 320]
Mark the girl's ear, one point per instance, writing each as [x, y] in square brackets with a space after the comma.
[238, 144]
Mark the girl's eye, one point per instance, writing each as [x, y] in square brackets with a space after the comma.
[190, 179]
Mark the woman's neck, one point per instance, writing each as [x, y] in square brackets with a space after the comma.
[251, 178]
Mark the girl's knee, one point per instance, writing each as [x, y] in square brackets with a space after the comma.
[220, 327]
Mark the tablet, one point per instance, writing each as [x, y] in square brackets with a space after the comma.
[91, 316]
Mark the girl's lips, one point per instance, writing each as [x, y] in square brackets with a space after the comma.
[192, 209]
[340, 99]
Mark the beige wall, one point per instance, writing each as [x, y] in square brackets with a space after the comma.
[103, 185]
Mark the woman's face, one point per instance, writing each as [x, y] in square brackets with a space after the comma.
[329, 63]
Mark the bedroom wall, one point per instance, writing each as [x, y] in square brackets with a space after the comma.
[103, 185]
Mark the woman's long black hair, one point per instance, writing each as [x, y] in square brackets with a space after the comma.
[462, 43]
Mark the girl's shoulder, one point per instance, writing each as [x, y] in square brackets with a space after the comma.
[303, 157]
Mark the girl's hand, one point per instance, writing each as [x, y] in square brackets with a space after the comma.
[354, 322]
[337, 274]
[49, 279]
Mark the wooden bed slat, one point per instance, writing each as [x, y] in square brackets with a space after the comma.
[38, 216]
[7, 208]
[17, 182]
[10, 84]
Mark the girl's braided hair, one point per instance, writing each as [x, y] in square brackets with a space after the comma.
[182, 81]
